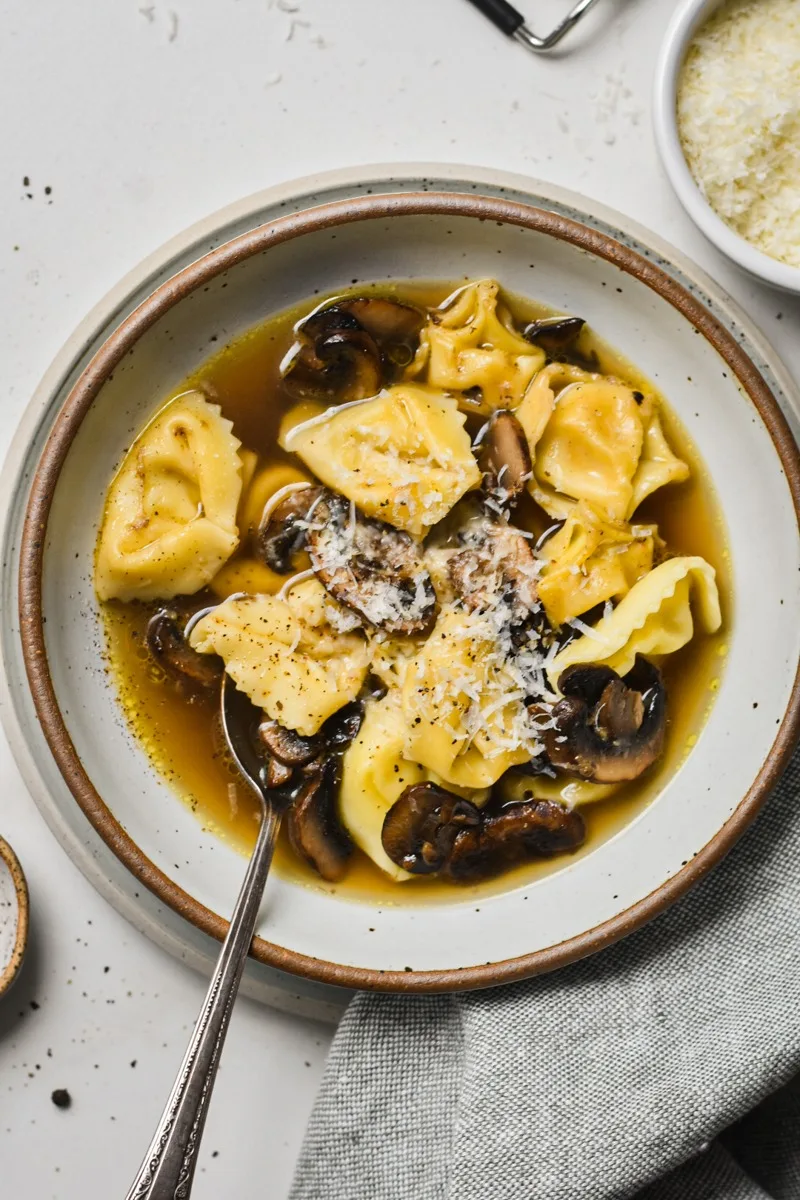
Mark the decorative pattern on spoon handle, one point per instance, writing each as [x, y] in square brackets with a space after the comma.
[168, 1168]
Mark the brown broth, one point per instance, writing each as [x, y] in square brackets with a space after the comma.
[180, 737]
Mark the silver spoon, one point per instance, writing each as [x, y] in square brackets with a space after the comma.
[168, 1168]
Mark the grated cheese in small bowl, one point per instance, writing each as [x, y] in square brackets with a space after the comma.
[738, 110]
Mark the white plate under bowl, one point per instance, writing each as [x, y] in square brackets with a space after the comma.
[590, 901]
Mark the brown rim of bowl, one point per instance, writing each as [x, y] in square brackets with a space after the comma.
[11, 971]
[32, 552]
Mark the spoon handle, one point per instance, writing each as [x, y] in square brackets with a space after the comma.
[167, 1171]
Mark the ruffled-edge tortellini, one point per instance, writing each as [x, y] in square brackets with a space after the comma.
[657, 617]
[403, 457]
[170, 515]
[464, 712]
[590, 560]
[285, 655]
[473, 344]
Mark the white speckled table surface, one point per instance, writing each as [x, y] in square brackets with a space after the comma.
[123, 123]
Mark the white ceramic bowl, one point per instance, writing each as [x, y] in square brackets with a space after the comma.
[13, 917]
[717, 391]
[686, 20]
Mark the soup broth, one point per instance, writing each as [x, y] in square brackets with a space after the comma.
[182, 740]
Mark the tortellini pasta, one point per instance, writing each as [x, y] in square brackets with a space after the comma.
[284, 654]
[471, 705]
[656, 617]
[374, 774]
[464, 712]
[598, 444]
[590, 560]
[657, 465]
[391, 658]
[517, 786]
[403, 456]
[591, 446]
[245, 575]
[261, 487]
[472, 346]
[170, 516]
[536, 409]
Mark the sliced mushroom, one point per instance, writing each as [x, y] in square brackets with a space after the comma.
[497, 562]
[295, 750]
[277, 774]
[429, 830]
[170, 649]
[606, 728]
[530, 829]
[340, 365]
[420, 828]
[287, 746]
[282, 536]
[290, 758]
[555, 335]
[350, 349]
[371, 567]
[315, 831]
[340, 729]
[505, 459]
[395, 327]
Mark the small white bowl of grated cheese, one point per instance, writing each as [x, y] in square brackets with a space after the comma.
[727, 124]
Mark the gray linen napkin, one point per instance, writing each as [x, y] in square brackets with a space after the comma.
[608, 1079]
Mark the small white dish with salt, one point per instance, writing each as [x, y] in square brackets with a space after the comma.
[727, 123]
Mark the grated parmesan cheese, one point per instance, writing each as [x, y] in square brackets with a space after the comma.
[739, 121]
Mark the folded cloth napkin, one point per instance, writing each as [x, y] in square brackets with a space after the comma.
[608, 1079]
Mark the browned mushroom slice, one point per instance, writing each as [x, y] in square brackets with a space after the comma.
[429, 830]
[170, 649]
[421, 826]
[315, 832]
[282, 536]
[293, 750]
[287, 746]
[340, 729]
[350, 349]
[497, 563]
[373, 568]
[340, 365]
[277, 774]
[530, 829]
[505, 459]
[395, 327]
[606, 728]
[555, 335]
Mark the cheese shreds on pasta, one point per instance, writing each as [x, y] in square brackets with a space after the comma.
[739, 120]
